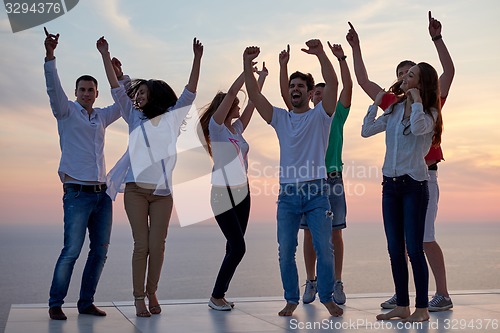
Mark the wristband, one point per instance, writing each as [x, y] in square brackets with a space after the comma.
[342, 58]
[438, 37]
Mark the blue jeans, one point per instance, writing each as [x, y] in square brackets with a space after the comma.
[404, 205]
[82, 211]
[309, 199]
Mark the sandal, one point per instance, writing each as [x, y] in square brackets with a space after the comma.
[154, 309]
[144, 313]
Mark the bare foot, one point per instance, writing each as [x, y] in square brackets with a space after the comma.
[420, 314]
[334, 309]
[398, 312]
[288, 310]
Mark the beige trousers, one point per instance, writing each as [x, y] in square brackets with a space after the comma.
[149, 216]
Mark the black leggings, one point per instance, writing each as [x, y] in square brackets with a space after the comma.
[231, 207]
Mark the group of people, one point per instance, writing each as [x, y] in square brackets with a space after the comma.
[310, 139]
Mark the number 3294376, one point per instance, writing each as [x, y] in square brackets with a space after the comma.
[33, 8]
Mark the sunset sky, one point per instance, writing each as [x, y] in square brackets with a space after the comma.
[153, 39]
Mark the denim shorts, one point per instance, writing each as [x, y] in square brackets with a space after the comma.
[432, 208]
[336, 197]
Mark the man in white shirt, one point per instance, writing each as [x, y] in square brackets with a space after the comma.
[303, 190]
[83, 173]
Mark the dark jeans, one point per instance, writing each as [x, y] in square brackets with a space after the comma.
[404, 205]
[82, 211]
[231, 208]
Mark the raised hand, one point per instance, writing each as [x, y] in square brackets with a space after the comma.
[255, 69]
[117, 66]
[352, 36]
[336, 50]
[284, 56]
[51, 42]
[197, 48]
[112, 67]
[434, 26]
[263, 71]
[314, 47]
[251, 53]
[102, 45]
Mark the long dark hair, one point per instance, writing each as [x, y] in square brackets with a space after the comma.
[430, 94]
[207, 113]
[160, 96]
[431, 97]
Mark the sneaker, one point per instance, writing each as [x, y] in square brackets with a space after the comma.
[390, 303]
[310, 292]
[440, 303]
[231, 304]
[224, 307]
[338, 292]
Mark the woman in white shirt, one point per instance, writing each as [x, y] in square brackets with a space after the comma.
[222, 128]
[154, 115]
[412, 124]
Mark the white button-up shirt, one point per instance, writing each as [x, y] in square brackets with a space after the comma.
[81, 136]
[407, 140]
[151, 164]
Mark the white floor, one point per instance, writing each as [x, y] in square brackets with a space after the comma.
[473, 311]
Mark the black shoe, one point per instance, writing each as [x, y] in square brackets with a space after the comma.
[57, 313]
[93, 310]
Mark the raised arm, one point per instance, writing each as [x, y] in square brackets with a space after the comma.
[446, 78]
[331, 82]
[369, 87]
[248, 111]
[122, 79]
[195, 70]
[51, 42]
[57, 96]
[284, 57]
[262, 105]
[346, 92]
[113, 67]
[117, 67]
[226, 104]
[103, 47]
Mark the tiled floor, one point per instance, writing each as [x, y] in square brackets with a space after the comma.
[474, 311]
